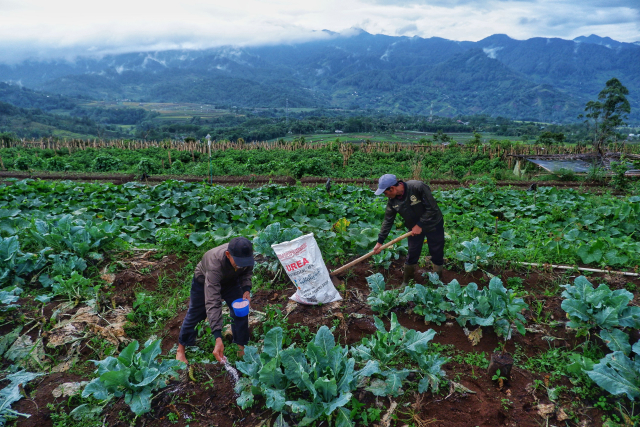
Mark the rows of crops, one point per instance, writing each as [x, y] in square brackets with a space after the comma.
[335, 160]
[65, 225]
[59, 238]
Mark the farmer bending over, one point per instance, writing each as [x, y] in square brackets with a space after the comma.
[415, 204]
[223, 274]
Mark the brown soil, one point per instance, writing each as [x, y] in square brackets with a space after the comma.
[258, 180]
[211, 401]
[143, 274]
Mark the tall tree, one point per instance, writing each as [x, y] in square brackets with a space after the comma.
[608, 112]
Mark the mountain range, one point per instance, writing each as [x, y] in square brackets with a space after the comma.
[547, 79]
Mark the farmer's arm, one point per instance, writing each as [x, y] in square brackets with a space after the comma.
[389, 219]
[213, 303]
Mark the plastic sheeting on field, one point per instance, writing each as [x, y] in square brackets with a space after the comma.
[579, 166]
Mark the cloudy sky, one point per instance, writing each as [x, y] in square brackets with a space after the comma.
[51, 28]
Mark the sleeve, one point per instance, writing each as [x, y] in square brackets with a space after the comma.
[245, 280]
[213, 301]
[389, 218]
[429, 214]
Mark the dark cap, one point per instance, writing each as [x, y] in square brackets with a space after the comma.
[386, 181]
[241, 249]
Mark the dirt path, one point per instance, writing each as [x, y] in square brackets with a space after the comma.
[257, 181]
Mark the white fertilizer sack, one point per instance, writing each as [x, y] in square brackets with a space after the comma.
[302, 260]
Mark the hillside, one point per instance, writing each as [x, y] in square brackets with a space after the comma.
[539, 78]
[36, 123]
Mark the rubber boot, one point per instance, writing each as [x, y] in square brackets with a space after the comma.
[409, 274]
[438, 270]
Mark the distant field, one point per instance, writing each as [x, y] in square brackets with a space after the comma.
[168, 111]
[182, 112]
[414, 137]
[179, 110]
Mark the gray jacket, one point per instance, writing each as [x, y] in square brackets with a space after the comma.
[215, 271]
[417, 207]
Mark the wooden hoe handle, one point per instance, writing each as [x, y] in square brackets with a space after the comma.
[363, 257]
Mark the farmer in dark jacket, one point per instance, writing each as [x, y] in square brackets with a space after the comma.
[223, 274]
[415, 204]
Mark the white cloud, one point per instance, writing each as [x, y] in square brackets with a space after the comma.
[491, 52]
[72, 27]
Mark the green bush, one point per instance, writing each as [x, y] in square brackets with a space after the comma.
[22, 163]
[481, 166]
[104, 163]
[497, 174]
[177, 167]
[619, 180]
[311, 167]
[56, 164]
[184, 156]
[459, 172]
[146, 166]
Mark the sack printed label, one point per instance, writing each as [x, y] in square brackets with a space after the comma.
[302, 260]
[292, 253]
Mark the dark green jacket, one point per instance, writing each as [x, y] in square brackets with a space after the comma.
[417, 207]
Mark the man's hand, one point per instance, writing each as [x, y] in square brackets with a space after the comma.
[376, 248]
[218, 351]
[247, 296]
[416, 230]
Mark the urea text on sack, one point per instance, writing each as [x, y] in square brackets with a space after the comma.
[296, 265]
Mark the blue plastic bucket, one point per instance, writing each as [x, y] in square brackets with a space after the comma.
[240, 311]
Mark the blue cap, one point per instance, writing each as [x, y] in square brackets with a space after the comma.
[386, 181]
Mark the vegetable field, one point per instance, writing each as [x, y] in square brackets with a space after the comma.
[299, 158]
[95, 279]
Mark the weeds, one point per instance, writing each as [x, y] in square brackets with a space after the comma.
[471, 358]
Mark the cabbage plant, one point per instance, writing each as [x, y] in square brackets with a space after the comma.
[618, 374]
[494, 306]
[134, 375]
[382, 300]
[588, 308]
[474, 254]
[314, 383]
[15, 264]
[271, 235]
[385, 347]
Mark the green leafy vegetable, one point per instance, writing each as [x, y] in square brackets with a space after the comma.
[316, 383]
[8, 296]
[589, 308]
[618, 374]
[134, 375]
[382, 300]
[474, 254]
[385, 347]
[494, 306]
[272, 235]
